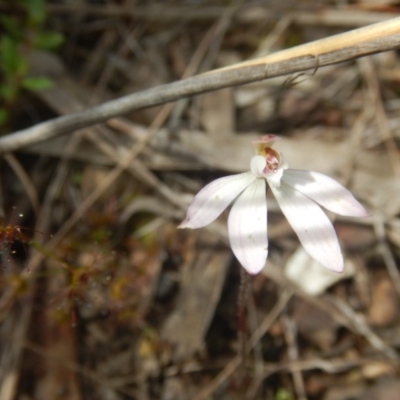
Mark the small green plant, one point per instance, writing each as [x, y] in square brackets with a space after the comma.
[21, 32]
[283, 394]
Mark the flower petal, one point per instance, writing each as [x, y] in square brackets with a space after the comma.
[212, 200]
[325, 191]
[247, 225]
[313, 227]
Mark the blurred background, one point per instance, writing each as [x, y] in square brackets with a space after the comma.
[101, 296]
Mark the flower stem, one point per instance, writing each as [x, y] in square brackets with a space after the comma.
[242, 315]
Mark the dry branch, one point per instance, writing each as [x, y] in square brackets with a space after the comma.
[372, 39]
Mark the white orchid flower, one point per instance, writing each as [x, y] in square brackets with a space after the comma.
[299, 194]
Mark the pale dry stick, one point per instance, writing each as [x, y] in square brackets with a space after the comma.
[130, 41]
[95, 57]
[137, 169]
[383, 124]
[212, 40]
[345, 84]
[109, 69]
[360, 326]
[376, 38]
[354, 140]
[356, 135]
[289, 332]
[231, 367]
[323, 47]
[25, 181]
[330, 45]
[274, 36]
[44, 219]
[384, 250]
[391, 264]
[330, 367]
[216, 36]
[340, 312]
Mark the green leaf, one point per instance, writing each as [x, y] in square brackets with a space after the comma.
[12, 27]
[3, 116]
[36, 10]
[13, 63]
[36, 83]
[49, 40]
[9, 55]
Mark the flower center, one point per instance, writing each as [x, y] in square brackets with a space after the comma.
[268, 165]
[272, 158]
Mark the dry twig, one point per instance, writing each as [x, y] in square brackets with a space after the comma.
[372, 39]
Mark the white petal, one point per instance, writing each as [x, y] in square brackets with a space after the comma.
[212, 200]
[257, 165]
[325, 191]
[247, 225]
[307, 273]
[313, 227]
